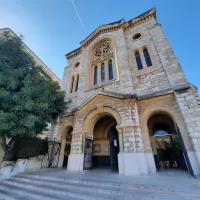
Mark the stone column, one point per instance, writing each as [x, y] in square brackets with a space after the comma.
[62, 153]
[121, 142]
[134, 160]
[106, 71]
[99, 74]
[76, 157]
[188, 103]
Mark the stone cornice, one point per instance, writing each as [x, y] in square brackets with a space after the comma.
[102, 29]
[74, 53]
[113, 27]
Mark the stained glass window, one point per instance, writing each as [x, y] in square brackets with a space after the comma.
[110, 69]
[138, 60]
[95, 75]
[147, 58]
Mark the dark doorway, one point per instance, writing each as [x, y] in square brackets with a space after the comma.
[114, 148]
[67, 146]
[105, 144]
[165, 143]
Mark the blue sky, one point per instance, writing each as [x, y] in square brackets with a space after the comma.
[52, 27]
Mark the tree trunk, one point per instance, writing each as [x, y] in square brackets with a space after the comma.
[3, 143]
[11, 150]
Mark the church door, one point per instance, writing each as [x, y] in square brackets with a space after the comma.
[114, 149]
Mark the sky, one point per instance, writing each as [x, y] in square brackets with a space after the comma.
[52, 28]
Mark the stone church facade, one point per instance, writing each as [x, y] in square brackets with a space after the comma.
[126, 83]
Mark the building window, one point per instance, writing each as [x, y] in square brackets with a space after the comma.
[77, 80]
[77, 64]
[102, 67]
[72, 84]
[147, 57]
[110, 69]
[95, 75]
[136, 36]
[138, 61]
[102, 72]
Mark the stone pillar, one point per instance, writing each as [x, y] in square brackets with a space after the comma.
[76, 157]
[62, 153]
[134, 160]
[106, 71]
[99, 74]
[189, 105]
[121, 142]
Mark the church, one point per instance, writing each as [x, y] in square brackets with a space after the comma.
[128, 94]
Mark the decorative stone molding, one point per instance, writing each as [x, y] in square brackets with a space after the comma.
[113, 27]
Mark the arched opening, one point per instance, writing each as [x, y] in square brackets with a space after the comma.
[68, 140]
[105, 144]
[165, 143]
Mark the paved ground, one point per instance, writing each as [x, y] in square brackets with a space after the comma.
[172, 179]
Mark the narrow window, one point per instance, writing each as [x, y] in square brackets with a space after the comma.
[110, 69]
[147, 57]
[95, 75]
[72, 84]
[77, 83]
[138, 60]
[102, 72]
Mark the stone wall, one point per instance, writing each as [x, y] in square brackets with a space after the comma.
[188, 102]
[134, 96]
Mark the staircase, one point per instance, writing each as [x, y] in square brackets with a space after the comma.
[40, 186]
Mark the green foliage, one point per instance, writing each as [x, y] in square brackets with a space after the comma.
[31, 147]
[28, 99]
[171, 148]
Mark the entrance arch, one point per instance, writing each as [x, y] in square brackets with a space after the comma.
[66, 139]
[100, 125]
[105, 144]
[165, 142]
[175, 117]
[98, 113]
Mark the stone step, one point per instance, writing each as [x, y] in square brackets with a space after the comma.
[12, 192]
[69, 185]
[5, 195]
[56, 186]
[114, 185]
[58, 192]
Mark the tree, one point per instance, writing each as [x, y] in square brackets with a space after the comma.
[28, 98]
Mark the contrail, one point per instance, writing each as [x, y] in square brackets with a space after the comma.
[77, 13]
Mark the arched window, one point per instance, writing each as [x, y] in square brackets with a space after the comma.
[102, 72]
[147, 57]
[110, 69]
[77, 79]
[72, 84]
[138, 61]
[95, 75]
